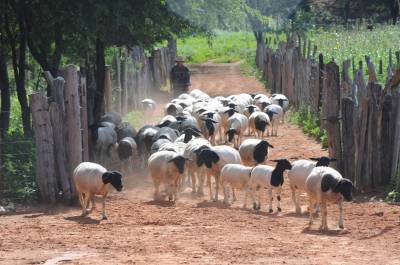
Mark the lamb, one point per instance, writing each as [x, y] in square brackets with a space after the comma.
[188, 134]
[254, 151]
[155, 147]
[262, 101]
[237, 124]
[269, 178]
[208, 128]
[215, 158]
[144, 140]
[275, 114]
[104, 139]
[148, 105]
[166, 133]
[194, 165]
[166, 167]
[173, 109]
[125, 129]
[258, 122]
[299, 173]
[93, 179]
[113, 117]
[281, 100]
[326, 185]
[250, 109]
[237, 177]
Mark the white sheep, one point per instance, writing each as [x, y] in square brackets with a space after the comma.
[254, 151]
[237, 177]
[267, 177]
[173, 109]
[93, 179]
[237, 124]
[299, 173]
[215, 158]
[275, 114]
[258, 123]
[195, 169]
[148, 105]
[166, 167]
[282, 101]
[326, 185]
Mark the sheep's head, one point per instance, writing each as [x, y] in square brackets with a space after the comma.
[114, 178]
[210, 125]
[251, 108]
[322, 161]
[189, 133]
[283, 164]
[261, 151]
[209, 157]
[231, 133]
[345, 187]
[230, 112]
[179, 162]
[270, 113]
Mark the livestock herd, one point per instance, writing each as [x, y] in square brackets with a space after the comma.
[201, 139]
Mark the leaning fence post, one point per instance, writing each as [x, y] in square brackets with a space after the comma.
[45, 168]
[107, 89]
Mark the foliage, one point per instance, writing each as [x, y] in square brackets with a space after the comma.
[18, 167]
[223, 47]
[341, 44]
[311, 125]
[393, 196]
[136, 118]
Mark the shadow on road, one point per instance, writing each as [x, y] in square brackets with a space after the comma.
[82, 220]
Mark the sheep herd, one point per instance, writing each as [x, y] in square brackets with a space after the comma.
[200, 142]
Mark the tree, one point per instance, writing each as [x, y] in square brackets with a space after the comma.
[4, 84]
[16, 38]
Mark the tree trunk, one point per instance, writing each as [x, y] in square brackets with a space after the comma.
[394, 10]
[5, 92]
[260, 51]
[100, 81]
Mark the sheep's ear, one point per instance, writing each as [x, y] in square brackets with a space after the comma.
[270, 145]
[314, 158]
[332, 159]
[275, 160]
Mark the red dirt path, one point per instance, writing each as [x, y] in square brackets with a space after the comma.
[196, 231]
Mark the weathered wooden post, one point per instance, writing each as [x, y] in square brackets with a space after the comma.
[73, 117]
[107, 89]
[124, 86]
[331, 110]
[45, 168]
[84, 115]
[117, 83]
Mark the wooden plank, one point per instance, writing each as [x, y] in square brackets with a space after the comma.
[107, 89]
[124, 87]
[73, 118]
[45, 168]
[348, 118]
[84, 116]
[331, 110]
[117, 90]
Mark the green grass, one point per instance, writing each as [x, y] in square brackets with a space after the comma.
[136, 118]
[342, 44]
[224, 47]
[310, 124]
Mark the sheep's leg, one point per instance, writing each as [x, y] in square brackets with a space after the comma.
[324, 221]
[83, 204]
[209, 185]
[246, 194]
[103, 212]
[311, 211]
[200, 176]
[156, 190]
[226, 193]
[216, 187]
[90, 199]
[340, 205]
[270, 199]
[193, 178]
[253, 197]
[234, 195]
[295, 200]
[175, 190]
[278, 198]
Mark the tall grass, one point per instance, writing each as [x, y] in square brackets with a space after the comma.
[341, 44]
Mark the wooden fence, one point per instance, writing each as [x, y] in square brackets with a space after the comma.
[362, 117]
[61, 121]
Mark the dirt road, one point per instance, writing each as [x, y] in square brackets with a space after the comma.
[196, 231]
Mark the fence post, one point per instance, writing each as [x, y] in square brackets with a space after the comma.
[84, 115]
[73, 118]
[45, 168]
[117, 85]
[331, 110]
[348, 121]
[107, 89]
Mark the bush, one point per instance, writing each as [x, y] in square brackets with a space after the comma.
[18, 168]
[310, 124]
